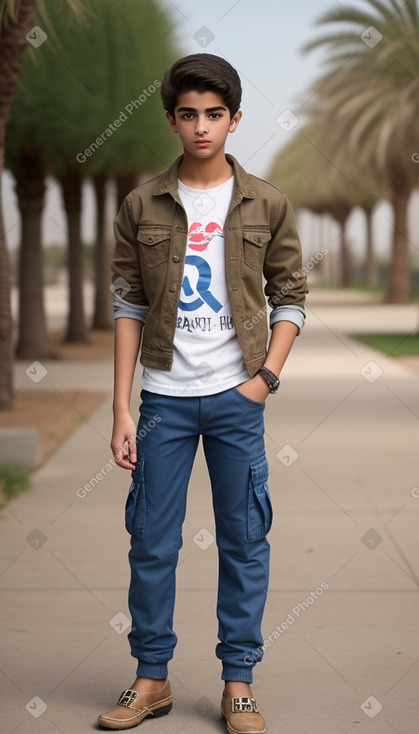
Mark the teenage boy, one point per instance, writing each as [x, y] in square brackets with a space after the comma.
[193, 246]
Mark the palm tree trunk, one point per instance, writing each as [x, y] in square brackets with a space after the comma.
[125, 184]
[33, 340]
[370, 265]
[71, 186]
[399, 281]
[103, 318]
[6, 332]
[341, 214]
[347, 270]
[323, 264]
[12, 46]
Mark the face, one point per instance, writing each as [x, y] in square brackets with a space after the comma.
[202, 121]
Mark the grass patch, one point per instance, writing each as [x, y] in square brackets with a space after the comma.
[14, 478]
[393, 345]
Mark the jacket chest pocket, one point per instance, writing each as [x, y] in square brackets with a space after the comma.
[255, 240]
[154, 244]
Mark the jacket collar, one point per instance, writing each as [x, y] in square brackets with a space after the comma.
[167, 182]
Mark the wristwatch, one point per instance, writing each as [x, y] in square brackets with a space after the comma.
[271, 380]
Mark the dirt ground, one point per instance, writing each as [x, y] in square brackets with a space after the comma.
[56, 415]
[98, 346]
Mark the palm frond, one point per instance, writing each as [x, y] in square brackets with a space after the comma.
[9, 10]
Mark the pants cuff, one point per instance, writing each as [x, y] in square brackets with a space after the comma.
[237, 672]
[152, 670]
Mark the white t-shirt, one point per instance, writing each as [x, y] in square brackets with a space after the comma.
[207, 357]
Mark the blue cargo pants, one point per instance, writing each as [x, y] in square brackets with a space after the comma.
[232, 430]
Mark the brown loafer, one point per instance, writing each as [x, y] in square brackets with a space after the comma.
[242, 715]
[133, 707]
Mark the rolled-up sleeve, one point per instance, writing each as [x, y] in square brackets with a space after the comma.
[296, 314]
[126, 271]
[124, 309]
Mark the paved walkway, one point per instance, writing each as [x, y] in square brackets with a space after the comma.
[342, 651]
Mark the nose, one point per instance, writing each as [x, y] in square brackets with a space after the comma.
[201, 126]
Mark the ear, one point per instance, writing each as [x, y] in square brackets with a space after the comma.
[172, 122]
[234, 121]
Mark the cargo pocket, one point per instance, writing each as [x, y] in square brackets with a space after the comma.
[135, 506]
[259, 508]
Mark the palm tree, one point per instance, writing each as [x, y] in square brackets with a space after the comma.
[141, 145]
[369, 98]
[16, 19]
[324, 185]
[66, 124]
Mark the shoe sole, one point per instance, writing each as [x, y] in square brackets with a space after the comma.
[162, 711]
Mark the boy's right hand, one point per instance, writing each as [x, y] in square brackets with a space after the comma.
[123, 442]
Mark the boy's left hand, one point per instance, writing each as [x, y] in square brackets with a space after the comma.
[255, 388]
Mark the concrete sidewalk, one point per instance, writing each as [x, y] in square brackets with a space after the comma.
[342, 651]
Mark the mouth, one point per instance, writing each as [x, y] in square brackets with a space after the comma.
[202, 142]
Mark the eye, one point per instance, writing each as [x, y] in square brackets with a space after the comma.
[187, 116]
[215, 115]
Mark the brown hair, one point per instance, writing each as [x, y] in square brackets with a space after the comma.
[201, 72]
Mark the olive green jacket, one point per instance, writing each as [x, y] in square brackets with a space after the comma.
[262, 255]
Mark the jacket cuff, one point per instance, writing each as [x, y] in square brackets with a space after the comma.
[123, 309]
[296, 314]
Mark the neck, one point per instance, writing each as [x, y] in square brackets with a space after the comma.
[204, 173]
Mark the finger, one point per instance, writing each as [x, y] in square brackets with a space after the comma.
[132, 449]
[125, 464]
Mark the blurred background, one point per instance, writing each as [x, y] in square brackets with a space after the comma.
[330, 109]
[330, 115]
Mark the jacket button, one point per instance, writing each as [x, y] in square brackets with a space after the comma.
[149, 239]
[166, 321]
[176, 259]
[258, 240]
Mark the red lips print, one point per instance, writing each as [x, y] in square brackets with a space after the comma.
[199, 237]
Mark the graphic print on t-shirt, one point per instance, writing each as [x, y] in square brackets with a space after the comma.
[196, 283]
[199, 236]
[207, 357]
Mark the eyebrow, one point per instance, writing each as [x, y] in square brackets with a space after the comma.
[208, 109]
